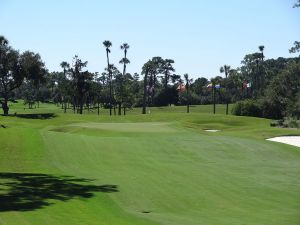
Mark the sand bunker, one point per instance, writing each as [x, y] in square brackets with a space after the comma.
[212, 130]
[290, 140]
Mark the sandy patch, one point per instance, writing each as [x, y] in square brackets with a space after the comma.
[212, 130]
[290, 140]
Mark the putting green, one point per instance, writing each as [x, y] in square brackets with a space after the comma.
[152, 169]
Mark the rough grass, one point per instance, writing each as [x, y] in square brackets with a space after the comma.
[161, 168]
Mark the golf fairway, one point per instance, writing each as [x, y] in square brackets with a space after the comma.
[158, 169]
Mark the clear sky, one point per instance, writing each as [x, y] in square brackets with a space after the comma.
[200, 35]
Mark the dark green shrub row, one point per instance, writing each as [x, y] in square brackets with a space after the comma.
[258, 108]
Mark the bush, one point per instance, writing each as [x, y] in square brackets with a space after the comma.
[291, 123]
[258, 108]
[166, 97]
[247, 108]
[287, 122]
[193, 99]
[271, 110]
[276, 123]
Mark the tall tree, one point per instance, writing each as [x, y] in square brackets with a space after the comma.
[80, 81]
[187, 87]
[167, 67]
[145, 71]
[123, 61]
[66, 67]
[155, 69]
[261, 70]
[250, 69]
[107, 44]
[296, 47]
[14, 68]
[213, 82]
[261, 49]
[225, 69]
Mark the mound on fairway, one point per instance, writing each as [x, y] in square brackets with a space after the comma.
[129, 127]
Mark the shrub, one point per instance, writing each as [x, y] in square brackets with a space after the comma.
[276, 123]
[291, 123]
[270, 110]
[287, 122]
[247, 108]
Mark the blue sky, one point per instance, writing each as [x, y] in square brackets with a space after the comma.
[199, 35]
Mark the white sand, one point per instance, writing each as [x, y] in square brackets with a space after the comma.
[290, 140]
[212, 130]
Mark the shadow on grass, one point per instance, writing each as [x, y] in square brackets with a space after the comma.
[31, 191]
[41, 116]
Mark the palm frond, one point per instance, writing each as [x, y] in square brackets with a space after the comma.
[107, 44]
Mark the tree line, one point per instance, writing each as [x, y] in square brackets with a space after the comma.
[24, 76]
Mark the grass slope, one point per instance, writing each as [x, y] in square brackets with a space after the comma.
[152, 169]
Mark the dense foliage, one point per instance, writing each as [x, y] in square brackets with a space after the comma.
[261, 87]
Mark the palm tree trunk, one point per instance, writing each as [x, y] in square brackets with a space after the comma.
[214, 98]
[74, 104]
[227, 108]
[110, 98]
[226, 92]
[188, 101]
[110, 84]
[98, 106]
[120, 109]
[124, 72]
[145, 93]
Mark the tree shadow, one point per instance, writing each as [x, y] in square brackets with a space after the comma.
[31, 191]
[41, 116]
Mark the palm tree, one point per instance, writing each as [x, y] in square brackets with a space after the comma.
[225, 69]
[3, 41]
[187, 87]
[262, 75]
[145, 70]
[123, 61]
[124, 47]
[107, 45]
[213, 82]
[65, 67]
[261, 49]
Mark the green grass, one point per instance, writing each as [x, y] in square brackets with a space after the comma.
[160, 168]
